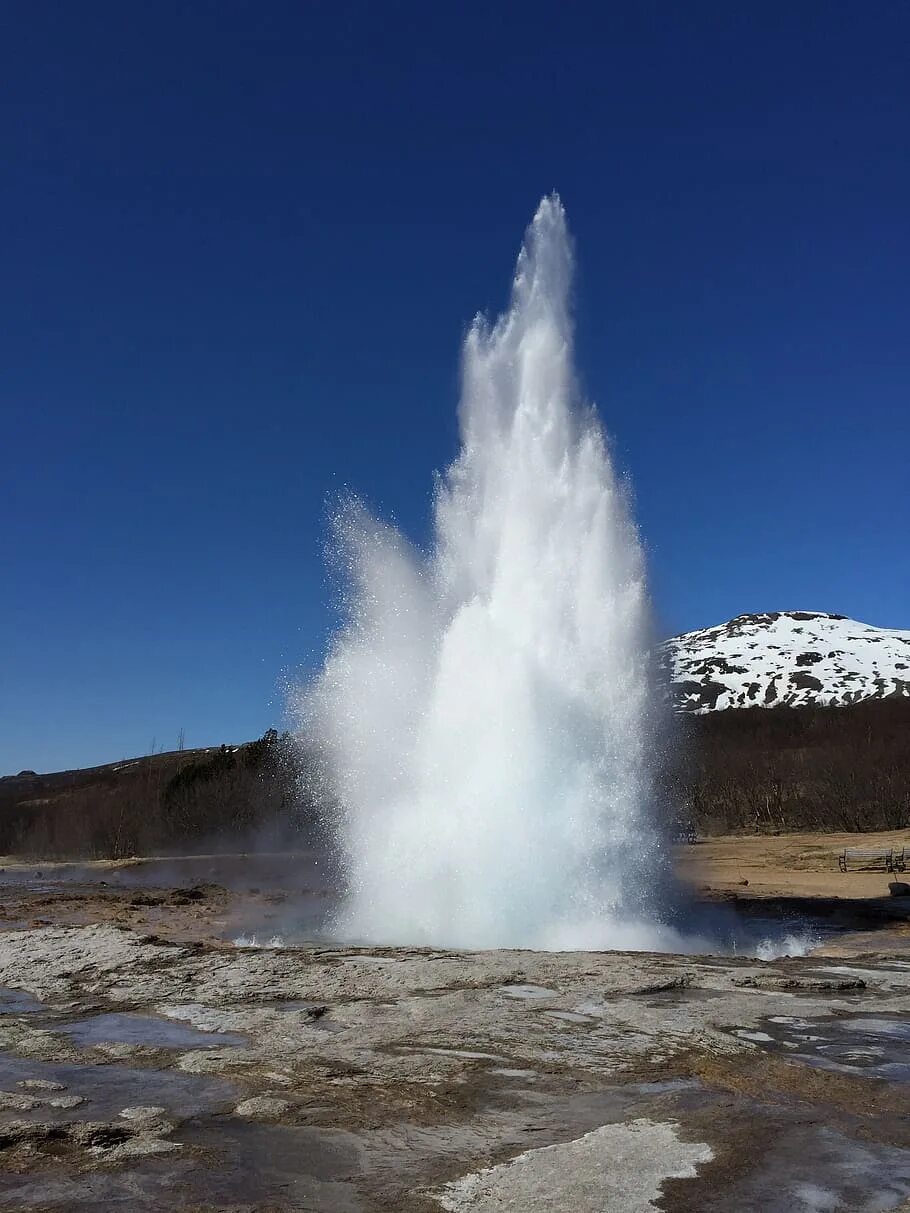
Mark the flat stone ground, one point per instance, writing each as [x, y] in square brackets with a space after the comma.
[149, 1063]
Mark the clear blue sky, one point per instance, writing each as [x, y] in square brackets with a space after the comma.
[240, 243]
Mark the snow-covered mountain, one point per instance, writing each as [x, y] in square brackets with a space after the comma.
[786, 657]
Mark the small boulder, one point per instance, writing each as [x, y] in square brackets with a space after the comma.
[262, 1107]
[138, 1147]
[15, 1101]
[143, 1112]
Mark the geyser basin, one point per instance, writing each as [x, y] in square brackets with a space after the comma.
[485, 715]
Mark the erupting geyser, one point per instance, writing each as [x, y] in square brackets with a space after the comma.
[485, 715]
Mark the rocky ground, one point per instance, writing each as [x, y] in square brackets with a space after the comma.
[149, 1063]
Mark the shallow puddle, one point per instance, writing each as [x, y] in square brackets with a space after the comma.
[242, 1167]
[863, 1045]
[17, 1002]
[680, 994]
[526, 993]
[817, 1169]
[107, 1089]
[136, 1029]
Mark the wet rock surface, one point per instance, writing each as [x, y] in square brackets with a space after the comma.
[178, 1073]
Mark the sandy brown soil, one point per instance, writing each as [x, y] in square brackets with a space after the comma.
[789, 865]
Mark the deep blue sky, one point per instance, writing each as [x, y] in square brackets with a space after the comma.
[240, 244]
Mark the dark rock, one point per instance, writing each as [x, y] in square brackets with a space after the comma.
[778, 981]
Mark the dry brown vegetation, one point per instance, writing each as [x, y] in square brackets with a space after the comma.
[761, 770]
[161, 803]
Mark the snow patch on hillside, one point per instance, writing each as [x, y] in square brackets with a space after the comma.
[786, 657]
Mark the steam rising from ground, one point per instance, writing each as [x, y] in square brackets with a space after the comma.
[485, 714]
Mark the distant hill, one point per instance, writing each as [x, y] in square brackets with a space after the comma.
[819, 740]
[172, 801]
[787, 658]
